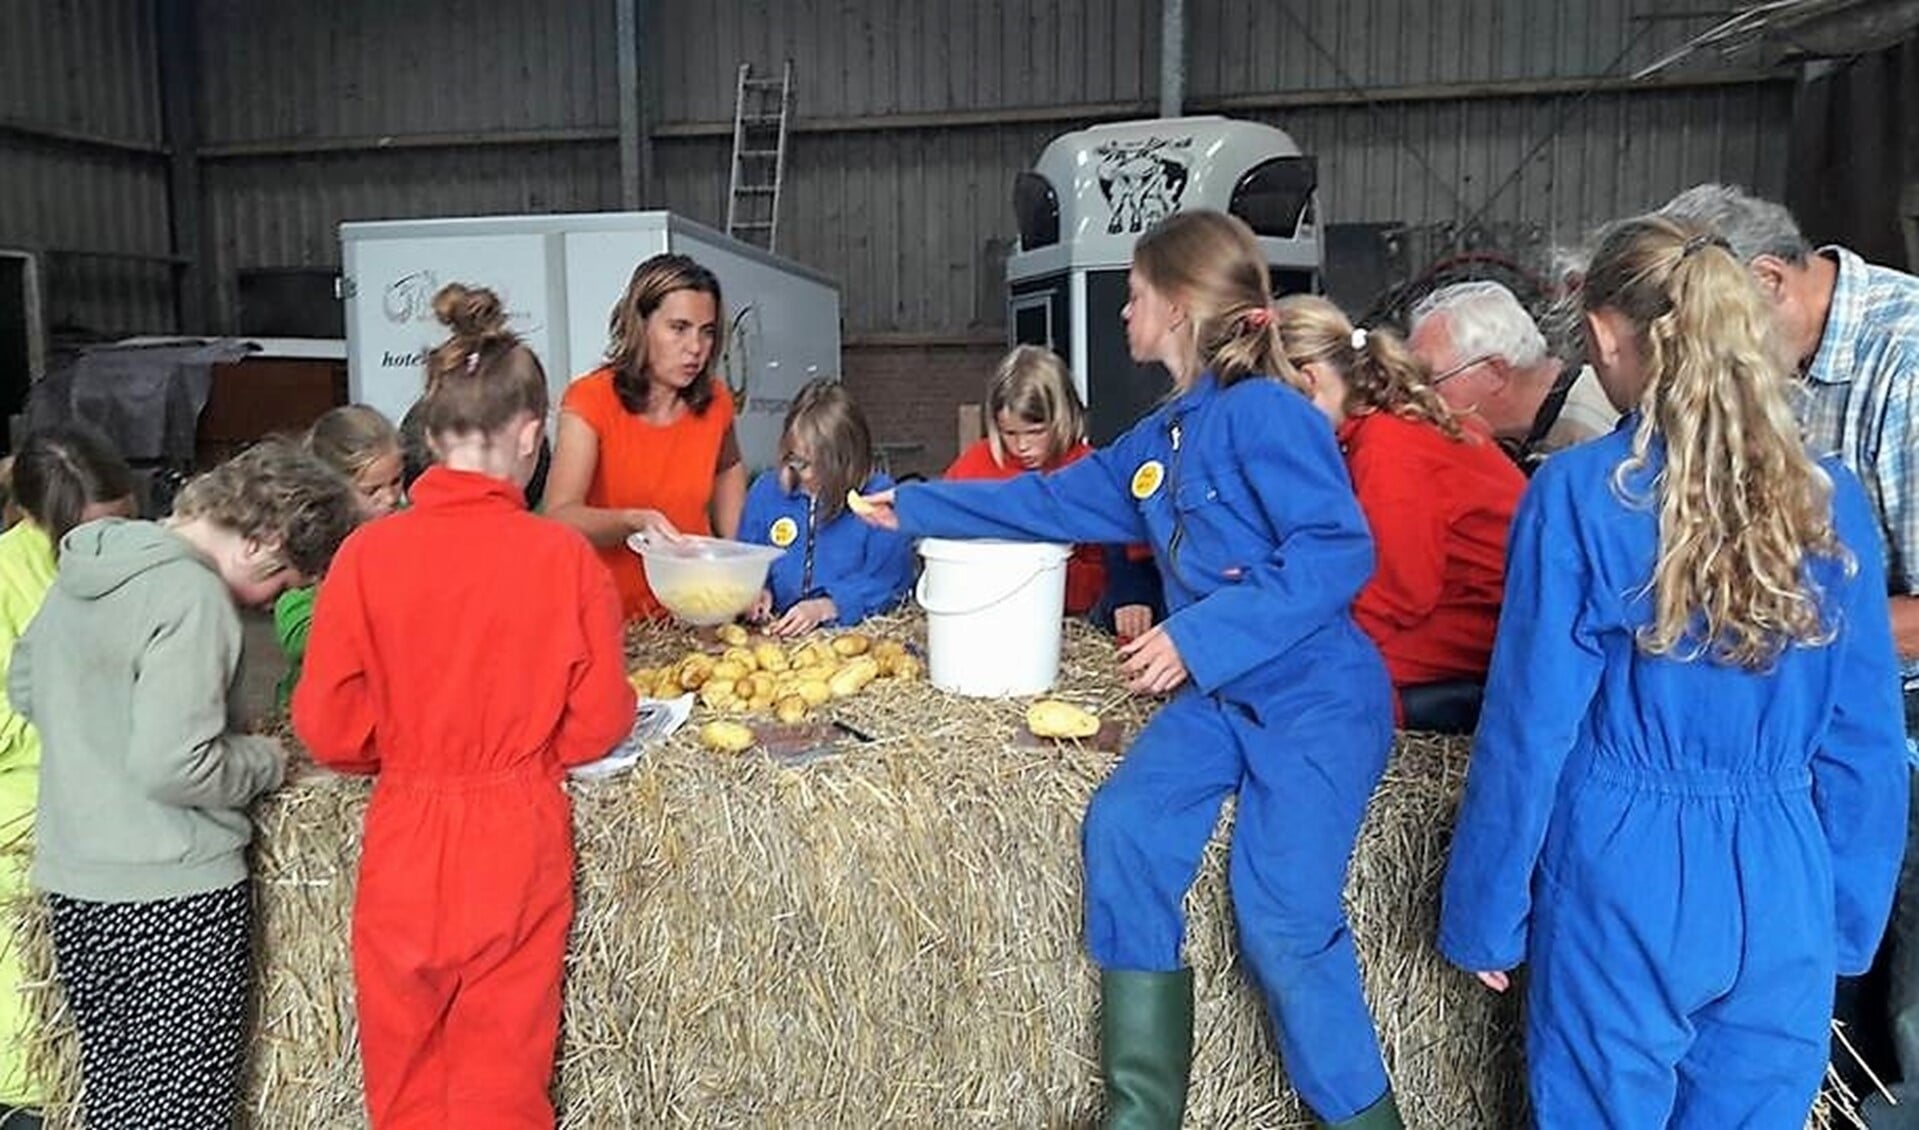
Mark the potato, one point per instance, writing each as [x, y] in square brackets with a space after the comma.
[759, 685]
[851, 644]
[642, 678]
[732, 635]
[886, 649]
[853, 678]
[695, 670]
[771, 658]
[790, 709]
[908, 668]
[717, 692]
[1050, 718]
[813, 691]
[668, 685]
[731, 737]
[742, 656]
[731, 669]
[856, 502]
[759, 705]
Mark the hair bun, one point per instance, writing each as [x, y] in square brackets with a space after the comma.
[472, 313]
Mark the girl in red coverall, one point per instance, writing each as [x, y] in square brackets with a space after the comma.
[1035, 422]
[466, 876]
[1439, 496]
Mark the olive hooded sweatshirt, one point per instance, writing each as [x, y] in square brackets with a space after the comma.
[126, 673]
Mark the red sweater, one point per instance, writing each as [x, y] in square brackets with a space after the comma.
[464, 637]
[1439, 512]
[1085, 570]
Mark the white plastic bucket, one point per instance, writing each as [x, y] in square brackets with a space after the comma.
[993, 611]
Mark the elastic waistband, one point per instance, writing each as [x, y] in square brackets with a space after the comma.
[521, 775]
[1701, 782]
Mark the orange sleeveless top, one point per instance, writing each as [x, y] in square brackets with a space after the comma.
[643, 465]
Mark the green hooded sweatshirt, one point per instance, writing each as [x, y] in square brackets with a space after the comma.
[126, 673]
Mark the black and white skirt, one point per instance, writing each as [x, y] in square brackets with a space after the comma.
[158, 992]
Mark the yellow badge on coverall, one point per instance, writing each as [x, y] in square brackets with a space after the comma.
[1146, 480]
[783, 532]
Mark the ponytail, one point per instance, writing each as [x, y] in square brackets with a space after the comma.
[1741, 505]
[1381, 373]
[1213, 264]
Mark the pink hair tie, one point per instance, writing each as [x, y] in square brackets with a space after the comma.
[1259, 317]
[473, 361]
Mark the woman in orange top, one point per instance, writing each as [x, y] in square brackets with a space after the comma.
[646, 443]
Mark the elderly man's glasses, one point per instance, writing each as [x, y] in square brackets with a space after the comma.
[1449, 374]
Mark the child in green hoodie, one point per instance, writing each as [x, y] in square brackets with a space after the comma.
[142, 827]
[364, 446]
[60, 478]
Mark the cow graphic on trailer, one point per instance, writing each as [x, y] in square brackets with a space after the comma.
[1142, 181]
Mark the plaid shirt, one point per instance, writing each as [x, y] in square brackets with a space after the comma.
[1858, 403]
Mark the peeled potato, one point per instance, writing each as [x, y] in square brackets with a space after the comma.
[695, 670]
[642, 678]
[792, 708]
[729, 736]
[813, 691]
[759, 685]
[771, 658]
[667, 684]
[733, 635]
[852, 678]
[1050, 718]
[731, 669]
[884, 648]
[856, 502]
[851, 644]
[908, 668]
[742, 656]
[717, 693]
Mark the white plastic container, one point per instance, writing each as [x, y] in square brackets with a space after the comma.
[704, 581]
[993, 612]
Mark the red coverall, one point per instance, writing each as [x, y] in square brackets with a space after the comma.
[466, 651]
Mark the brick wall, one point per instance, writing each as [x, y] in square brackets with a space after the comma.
[912, 393]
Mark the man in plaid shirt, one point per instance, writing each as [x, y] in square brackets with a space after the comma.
[1854, 329]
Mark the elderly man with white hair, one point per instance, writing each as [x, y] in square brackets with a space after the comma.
[1853, 329]
[1489, 359]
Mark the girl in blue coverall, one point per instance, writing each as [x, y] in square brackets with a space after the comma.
[837, 569]
[1687, 798]
[1277, 695]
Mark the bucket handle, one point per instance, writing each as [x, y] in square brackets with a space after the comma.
[919, 595]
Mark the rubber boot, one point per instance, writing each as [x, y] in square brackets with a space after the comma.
[1382, 1115]
[1145, 1047]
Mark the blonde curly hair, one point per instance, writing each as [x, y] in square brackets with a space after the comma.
[278, 494]
[1742, 507]
[1381, 373]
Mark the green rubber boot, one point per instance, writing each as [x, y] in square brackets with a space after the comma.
[1382, 1115]
[1145, 1047]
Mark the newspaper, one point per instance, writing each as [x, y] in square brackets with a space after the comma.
[656, 720]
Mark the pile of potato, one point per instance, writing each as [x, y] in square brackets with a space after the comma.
[787, 682]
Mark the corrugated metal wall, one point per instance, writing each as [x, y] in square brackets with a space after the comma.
[913, 119]
[91, 198]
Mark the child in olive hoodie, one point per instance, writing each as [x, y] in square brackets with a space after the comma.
[142, 826]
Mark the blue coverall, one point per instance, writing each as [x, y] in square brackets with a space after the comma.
[863, 569]
[1685, 853]
[1244, 499]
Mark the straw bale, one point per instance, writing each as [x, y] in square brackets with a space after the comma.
[890, 937]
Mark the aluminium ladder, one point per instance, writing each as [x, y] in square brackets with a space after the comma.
[761, 107]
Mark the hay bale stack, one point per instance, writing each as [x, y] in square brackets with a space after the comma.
[889, 937]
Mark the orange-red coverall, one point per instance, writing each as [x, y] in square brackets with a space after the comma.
[465, 651]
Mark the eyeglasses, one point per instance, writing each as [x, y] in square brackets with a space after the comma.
[1449, 374]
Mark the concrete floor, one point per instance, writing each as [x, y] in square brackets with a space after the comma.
[261, 666]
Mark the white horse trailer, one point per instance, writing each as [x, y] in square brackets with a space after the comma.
[1088, 198]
